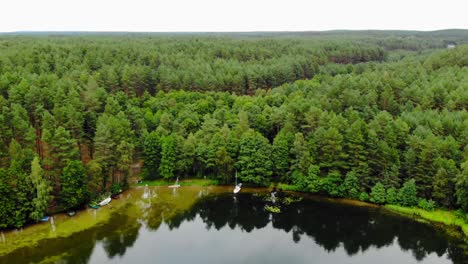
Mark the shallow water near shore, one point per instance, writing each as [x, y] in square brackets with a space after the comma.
[211, 225]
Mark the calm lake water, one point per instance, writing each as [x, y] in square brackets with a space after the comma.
[211, 225]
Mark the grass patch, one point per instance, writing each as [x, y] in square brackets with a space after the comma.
[439, 216]
[288, 187]
[187, 182]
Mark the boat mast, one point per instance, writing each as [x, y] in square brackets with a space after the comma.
[236, 177]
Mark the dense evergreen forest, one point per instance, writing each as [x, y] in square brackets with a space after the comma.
[376, 116]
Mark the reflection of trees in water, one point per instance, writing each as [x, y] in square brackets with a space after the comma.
[75, 250]
[330, 225]
[123, 235]
[117, 236]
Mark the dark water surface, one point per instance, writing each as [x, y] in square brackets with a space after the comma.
[211, 225]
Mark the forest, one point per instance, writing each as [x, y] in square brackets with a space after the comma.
[375, 116]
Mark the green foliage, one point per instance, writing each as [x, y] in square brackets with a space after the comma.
[166, 168]
[115, 189]
[95, 181]
[152, 152]
[74, 190]
[42, 188]
[281, 155]
[288, 187]
[312, 111]
[254, 164]
[392, 196]
[7, 203]
[309, 182]
[301, 155]
[330, 149]
[350, 187]
[378, 194]
[462, 187]
[363, 196]
[407, 195]
[444, 182]
[314, 182]
[331, 183]
[427, 205]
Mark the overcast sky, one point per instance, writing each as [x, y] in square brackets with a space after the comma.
[232, 15]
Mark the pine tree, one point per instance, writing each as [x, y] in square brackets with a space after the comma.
[392, 196]
[462, 187]
[301, 155]
[42, 189]
[74, 185]
[350, 187]
[281, 155]
[152, 154]
[407, 195]
[125, 153]
[187, 161]
[61, 148]
[378, 194]
[166, 168]
[330, 149]
[254, 164]
[224, 164]
[443, 186]
[355, 148]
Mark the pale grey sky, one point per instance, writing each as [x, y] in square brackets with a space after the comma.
[232, 15]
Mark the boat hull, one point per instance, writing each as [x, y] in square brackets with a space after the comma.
[105, 202]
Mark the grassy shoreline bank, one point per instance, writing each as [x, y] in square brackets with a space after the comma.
[439, 216]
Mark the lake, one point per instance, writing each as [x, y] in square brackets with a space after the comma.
[212, 225]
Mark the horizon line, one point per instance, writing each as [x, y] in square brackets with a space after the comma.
[246, 31]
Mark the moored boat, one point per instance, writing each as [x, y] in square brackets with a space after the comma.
[105, 201]
[94, 206]
[237, 188]
[176, 184]
[71, 213]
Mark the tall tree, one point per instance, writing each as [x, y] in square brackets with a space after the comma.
[152, 152]
[281, 155]
[166, 168]
[254, 164]
[74, 185]
[301, 155]
[42, 190]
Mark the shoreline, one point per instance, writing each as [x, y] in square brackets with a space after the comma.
[439, 217]
[73, 225]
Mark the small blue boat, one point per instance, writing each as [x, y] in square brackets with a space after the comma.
[44, 219]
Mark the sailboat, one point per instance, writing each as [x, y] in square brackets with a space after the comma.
[176, 184]
[238, 186]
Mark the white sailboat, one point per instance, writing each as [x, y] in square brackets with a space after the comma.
[238, 186]
[176, 185]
